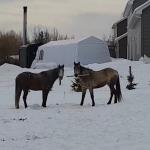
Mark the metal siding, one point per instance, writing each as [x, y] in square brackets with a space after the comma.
[121, 27]
[146, 32]
[112, 50]
[27, 54]
[123, 48]
[22, 56]
[137, 3]
[31, 53]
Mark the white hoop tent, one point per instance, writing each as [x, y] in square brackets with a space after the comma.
[87, 51]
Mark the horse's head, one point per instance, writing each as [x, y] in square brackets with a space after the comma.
[60, 73]
[77, 69]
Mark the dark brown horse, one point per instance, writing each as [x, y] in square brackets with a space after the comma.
[37, 81]
[90, 79]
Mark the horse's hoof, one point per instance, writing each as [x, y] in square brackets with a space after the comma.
[108, 103]
[17, 107]
[93, 105]
[81, 104]
[43, 105]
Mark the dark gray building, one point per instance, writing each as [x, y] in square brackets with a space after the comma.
[120, 29]
[132, 32]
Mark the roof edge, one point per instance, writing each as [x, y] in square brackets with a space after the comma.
[137, 14]
[67, 42]
[113, 26]
[128, 8]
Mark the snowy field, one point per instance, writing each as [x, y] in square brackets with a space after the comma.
[65, 125]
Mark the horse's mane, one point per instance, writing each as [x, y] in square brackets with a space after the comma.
[84, 68]
[50, 70]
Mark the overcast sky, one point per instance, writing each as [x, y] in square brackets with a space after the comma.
[74, 17]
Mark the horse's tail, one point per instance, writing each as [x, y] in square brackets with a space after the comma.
[118, 89]
[17, 93]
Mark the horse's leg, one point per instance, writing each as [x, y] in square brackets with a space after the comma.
[45, 94]
[111, 94]
[25, 97]
[92, 96]
[115, 93]
[83, 96]
[17, 97]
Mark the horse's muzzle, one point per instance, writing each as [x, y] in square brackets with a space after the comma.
[59, 82]
[60, 78]
[76, 75]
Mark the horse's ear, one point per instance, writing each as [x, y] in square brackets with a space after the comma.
[59, 66]
[63, 66]
[79, 63]
[74, 63]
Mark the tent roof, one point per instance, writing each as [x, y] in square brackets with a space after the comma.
[70, 41]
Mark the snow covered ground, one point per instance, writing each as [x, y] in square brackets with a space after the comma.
[65, 125]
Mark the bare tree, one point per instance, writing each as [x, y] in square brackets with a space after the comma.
[9, 43]
[43, 35]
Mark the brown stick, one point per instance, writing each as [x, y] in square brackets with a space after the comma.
[71, 76]
[82, 75]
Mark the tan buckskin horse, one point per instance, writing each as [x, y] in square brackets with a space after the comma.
[37, 81]
[90, 79]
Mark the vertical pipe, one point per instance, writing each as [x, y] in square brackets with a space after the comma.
[24, 25]
[130, 73]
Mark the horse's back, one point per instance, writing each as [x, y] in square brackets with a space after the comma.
[33, 81]
[27, 79]
[24, 76]
[105, 76]
[111, 74]
[105, 73]
[110, 71]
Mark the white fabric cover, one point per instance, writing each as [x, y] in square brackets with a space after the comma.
[88, 50]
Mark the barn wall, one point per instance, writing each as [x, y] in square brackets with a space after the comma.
[146, 32]
[123, 48]
[121, 27]
[134, 42]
